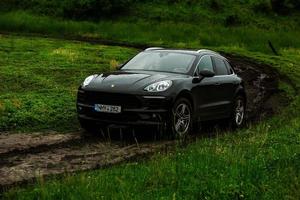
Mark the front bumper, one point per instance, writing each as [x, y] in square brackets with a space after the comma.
[136, 109]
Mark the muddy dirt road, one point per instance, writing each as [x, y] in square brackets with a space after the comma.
[26, 156]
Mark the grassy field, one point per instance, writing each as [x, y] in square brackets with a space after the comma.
[39, 80]
[261, 162]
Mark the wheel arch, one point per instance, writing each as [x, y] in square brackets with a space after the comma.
[241, 92]
[186, 94]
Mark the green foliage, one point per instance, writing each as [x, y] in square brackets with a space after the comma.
[95, 9]
[76, 9]
[285, 6]
[152, 33]
[263, 6]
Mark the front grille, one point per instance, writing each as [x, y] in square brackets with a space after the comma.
[124, 100]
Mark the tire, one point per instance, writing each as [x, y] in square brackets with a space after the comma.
[181, 119]
[90, 127]
[237, 118]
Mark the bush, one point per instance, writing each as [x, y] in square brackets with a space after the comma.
[94, 8]
[263, 6]
[76, 9]
[282, 7]
[216, 5]
[232, 20]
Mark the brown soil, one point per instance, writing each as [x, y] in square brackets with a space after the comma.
[23, 157]
[261, 82]
[48, 154]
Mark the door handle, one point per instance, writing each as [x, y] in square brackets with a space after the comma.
[217, 83]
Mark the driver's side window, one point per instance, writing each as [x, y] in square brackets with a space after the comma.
[205, 63]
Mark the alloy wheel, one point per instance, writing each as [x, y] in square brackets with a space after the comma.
[239, 112]
[182, 119]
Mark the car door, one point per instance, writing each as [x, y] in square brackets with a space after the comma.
[205, 92]
[225, 86]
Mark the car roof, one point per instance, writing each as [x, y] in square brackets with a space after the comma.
[193, 52]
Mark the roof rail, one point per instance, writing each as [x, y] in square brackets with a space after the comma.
[207, 50]
[153, 48]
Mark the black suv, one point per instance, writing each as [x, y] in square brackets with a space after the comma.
[169, 88]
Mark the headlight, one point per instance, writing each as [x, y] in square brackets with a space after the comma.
[87, 81]
[159, 86]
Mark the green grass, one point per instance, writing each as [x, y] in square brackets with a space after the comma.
[166, 33]
[39, 80]
[186, 24]
[260, 162]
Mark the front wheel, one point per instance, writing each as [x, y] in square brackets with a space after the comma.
[181, 118]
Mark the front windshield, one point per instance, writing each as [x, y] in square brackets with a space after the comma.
[161, 61]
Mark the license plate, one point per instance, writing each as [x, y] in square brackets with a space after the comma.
[107, 108]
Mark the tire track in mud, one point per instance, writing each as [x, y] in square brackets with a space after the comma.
[11, 144]
[24, 157]
[24, 163]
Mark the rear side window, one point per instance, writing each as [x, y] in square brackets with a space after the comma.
[205, 63]
[221, 68]
[229, 67]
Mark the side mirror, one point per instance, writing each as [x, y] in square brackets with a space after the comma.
[203, 74]
[207, 73]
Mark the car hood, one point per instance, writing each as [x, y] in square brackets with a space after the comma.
[124, 81]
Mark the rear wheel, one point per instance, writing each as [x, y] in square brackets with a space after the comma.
[181, 118]
[238, 112]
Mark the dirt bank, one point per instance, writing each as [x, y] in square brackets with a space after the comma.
[261, 82]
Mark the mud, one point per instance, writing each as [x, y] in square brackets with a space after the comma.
[24, 157]
[261, 82]
[48, 155]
